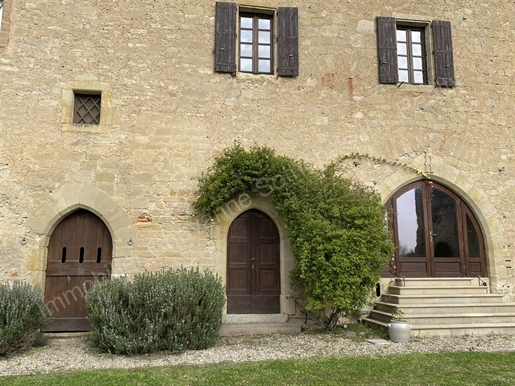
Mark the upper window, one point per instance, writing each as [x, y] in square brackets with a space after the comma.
[255, 50]
[86, 109]
[403, 52]
[411, 57]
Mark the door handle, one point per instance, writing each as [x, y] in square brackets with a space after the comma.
[252, 266]
[68, 279]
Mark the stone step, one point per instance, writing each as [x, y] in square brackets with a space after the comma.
[462, 319]
[254, 318]
[465, 329]
[435, 309]
[448, 319]
[440, 290]
[454, 329]
[238, 329]
[441, 299]
[439, 281]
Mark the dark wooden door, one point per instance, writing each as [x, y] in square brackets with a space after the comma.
[435, 232]
[79, 253]
[253, 268]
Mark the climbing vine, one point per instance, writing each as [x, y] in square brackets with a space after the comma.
[337, 228]
[363, 156]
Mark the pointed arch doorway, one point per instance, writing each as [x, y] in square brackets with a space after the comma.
[436, 233]
[79, 253]
[253, 265]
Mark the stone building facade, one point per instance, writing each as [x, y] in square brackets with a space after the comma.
[169, 101]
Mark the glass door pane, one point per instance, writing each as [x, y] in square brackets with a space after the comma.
[410, 224]
[472, 239]
[445, 224]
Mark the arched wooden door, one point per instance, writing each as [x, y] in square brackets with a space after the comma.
[79, 253]
[435, 232]
[253, 267]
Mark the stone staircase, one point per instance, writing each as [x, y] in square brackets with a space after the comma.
[445, 306]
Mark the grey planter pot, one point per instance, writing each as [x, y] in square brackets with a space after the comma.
[399, 331]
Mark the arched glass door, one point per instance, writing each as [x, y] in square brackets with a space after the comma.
[435, 232]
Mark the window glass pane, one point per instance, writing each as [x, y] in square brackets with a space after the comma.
[416, 36]
[410, 223]
[246, 36]
[246, 50]
[418, 77]
[264, 66]
[417, 63]
[402, 62]
[401, 49]
[445, 224]
[401, 35]
[264, 37]
[472, 239]
[246, 22]
[417, 49]
[403, 76]
[246, 65]
[264, 51]
[264, 24]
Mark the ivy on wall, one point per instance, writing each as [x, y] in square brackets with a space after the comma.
[337, 228]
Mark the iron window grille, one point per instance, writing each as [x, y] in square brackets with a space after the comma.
[87, 109]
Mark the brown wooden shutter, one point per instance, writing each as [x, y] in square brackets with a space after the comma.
[387, 49]
[288, 41]
[444, 63]
[225, 37]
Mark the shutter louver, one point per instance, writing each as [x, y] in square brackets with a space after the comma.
[288, 41]
[444, 63]
[225, 37]
[387, 49]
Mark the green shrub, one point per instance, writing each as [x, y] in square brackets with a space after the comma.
[337, 229]
[169, 310]
[22, 317]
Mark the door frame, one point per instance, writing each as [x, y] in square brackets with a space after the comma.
[469, 266]
[72, 278]
[252, 296]
[218, 232]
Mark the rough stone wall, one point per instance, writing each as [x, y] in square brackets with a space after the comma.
[169, 114]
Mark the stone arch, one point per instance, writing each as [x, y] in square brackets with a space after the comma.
[61, 202]
[221, 229]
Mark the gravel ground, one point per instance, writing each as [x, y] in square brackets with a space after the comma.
[73, 353]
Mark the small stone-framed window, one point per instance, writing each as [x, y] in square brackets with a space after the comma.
[86, 109]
